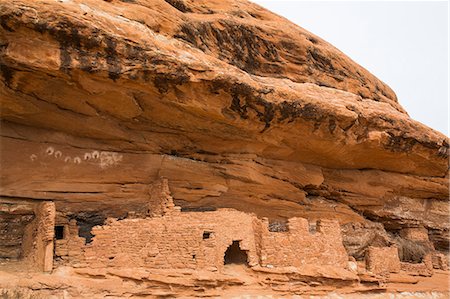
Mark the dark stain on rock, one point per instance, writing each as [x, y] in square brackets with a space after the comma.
[195, 36]
[291, 111]
[66, 41]
[387, 119]
[288, 45]
[246, 99]
[311, 113]
[186, 208]
[135, 53]
[238, 44]
[203, 152]
[163, 82]
[162, 72]
[320, 61]
[4, 23]
[400, 143]
[174, 153]
[7, 73]
[76, 41]
[254, 15]
[312, 40]
[206, 10]
[65, 60]
[179, 5]
[338, 78]
[92, 40]
[114, 66]
[72, 42]
[146, 74]
[268, 113]
[76, 38]
[87, 63]
[331, 125]
[324, 84]
[288, 111]
[241, 91]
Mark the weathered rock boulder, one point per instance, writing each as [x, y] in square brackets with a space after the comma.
[235, 105]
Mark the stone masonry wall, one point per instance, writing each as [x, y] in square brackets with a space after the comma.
[382, 260]
[298, 246]
[199, 240]
[425, 268]
[45, 216]
[15, 217]
[178, 240]
[32, 230]
[69, 250]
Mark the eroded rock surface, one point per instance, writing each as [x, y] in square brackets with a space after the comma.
[234, 105]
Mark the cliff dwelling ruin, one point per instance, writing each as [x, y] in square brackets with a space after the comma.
[167, 238]
[37, 237]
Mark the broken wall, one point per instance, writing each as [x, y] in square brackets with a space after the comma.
[297, 246]
[15, 216]
[27, 232]
[382, 260]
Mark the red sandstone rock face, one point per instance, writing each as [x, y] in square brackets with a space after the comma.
[236, 106]
[100, 71]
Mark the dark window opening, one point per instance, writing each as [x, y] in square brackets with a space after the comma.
[206, 235]
[59, 232]
[235, 255]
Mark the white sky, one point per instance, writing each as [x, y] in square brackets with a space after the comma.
[403, 43]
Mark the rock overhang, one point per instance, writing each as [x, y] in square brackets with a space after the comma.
[127, 78]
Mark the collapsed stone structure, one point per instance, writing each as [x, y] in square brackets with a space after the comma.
[171, 239]
[27, 231]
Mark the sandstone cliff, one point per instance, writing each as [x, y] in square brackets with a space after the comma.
[234, 105]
